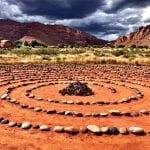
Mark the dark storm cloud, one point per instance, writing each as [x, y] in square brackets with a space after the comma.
[122, 4]
[104, 28]
[99, 17]
[60, 9]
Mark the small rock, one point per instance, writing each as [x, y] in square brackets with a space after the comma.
[115, 112]
[37, 109]
[83, 130]
[36, 127]
[64, 102]
[19, 124]
[135, 114]
[51, 111]
[26, 125]
[113, 130]
[12, 124]
[60, 112]
[39, 99]
[103, 114]
[68, 113]
[94, 129]
[13, 101]
[58, 129]
[23, 106]
[44, 128]
[1, 118]
[87, 115]
[126, 114]
[4, 121]
[145, 112]
[87, 103]
[71, 130]
[31, 96]
[136, 130]
[123, 131]
[31, 107]
[4, 96]
[79, 103]
[104, 130]
[100, 102]
[95, 114]
[70, 102]
[78, 114]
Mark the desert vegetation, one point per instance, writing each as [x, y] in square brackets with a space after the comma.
[39, 52]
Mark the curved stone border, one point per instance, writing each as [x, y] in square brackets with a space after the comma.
[104, 130]
[100, 102]
[76, 113]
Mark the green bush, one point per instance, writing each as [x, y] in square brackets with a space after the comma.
[99, 53]
[35, 43]
[46, 57]
[102, 61]
[18, 44]
[132, 46]
[3, 51]
[118, 53]
[45, 51]
[120, 46]
[21, 51]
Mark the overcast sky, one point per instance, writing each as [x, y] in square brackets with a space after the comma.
[105, 19]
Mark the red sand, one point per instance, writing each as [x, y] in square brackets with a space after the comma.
[16, 138]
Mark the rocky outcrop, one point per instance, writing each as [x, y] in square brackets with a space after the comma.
[49, 34]
[140, 38]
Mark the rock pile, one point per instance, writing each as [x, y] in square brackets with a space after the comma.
[78, 89]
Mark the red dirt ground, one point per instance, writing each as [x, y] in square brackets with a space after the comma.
[16, 138]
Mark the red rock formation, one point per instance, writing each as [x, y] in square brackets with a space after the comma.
[121, 40]
[50, 34]
[140, 38]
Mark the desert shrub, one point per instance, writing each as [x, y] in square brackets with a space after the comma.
[61, 45]
[71, 46]
[99, 53]
[97, 46]
[77, 45]
[102, 61]
[35, 43]
[74, 51]
[118, 53]
[21, 51]
[120, 46]
[2, 51]
[58, 59]
[132, 46]
[18, 44]
[127, 55]
[44, 51]
[145, 46]
[26, 43]
[1, 38]
[46, 57]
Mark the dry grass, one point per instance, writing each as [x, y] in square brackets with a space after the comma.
[80, 55]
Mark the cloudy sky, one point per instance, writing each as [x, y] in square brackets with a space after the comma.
[105, 19]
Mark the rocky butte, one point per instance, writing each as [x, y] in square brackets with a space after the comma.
[49, 34]
[140, 38]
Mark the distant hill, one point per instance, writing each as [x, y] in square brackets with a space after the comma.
[49, 34]
[140, 38]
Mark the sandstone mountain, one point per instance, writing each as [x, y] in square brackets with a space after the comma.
[49, 34]
[140, 38]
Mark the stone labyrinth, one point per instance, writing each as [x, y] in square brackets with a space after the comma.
[35, 97]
